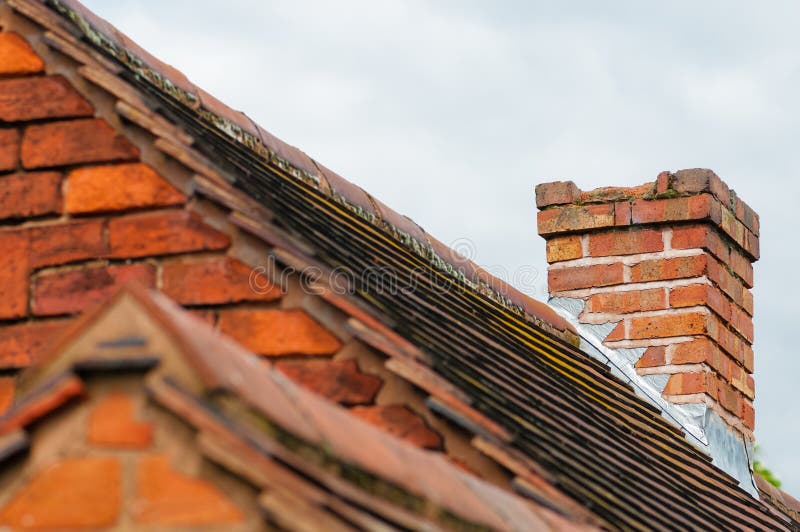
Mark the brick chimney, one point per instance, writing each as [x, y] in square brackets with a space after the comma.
[668, 267]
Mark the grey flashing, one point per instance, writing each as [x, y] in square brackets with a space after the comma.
[705, 429]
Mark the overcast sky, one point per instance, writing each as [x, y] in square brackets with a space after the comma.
[452, 111]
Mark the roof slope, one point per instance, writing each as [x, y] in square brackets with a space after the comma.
[529, 395]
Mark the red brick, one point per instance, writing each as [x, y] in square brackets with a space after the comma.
[575, 218]
[167, 497]
[664, 326]
[9, 149]
[728, 397]
[74, 141]
[278, 332]
[213, 281]
[622, 213]
[112, 424]
[30, 194]
[584, 277]
[748, 415]
[625, 302]
[557, 193]
[23, 344]
[653, 357]
[118, 187]
[73, 493]
[700, 294]
[665, 269]
[730, 285]
[738, 348]
[662, 182]
[14, 272]
[747, 216]
[17, 56]
[743, 324]
[625, 242]
[743, 382]
[67, 242]
[40, 97]
[7, 388]
[688, 383]
[400, 422]
[697, 180]
[162, 233]
[340, 381]
[708, 238]
[563, 248]
[71, 291]
[672, 209]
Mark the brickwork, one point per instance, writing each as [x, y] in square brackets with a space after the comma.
[670, 263]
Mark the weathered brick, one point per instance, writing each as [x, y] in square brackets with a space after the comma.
[556, 193]
[622, 213]
[728, 397]
[112, 424]
[23, 344]
[162, 233]
[688, 383]
[700, 294]
[747, 216]
[9, 149]
[708, 238]
[697, 351]
[563, 248]
[14, 272]
[84, 140]
[7, 388]
[118, 187]
[71, 291]
[743, 324]
[730, 285]
[663, 326]
[217, 280]
[400, 422]
[562, 279]
[166, 497]
[93, 498]
[340, 381]
[626, 302]
[663, 182]
[671, 209]
[654, 356]
[665, 269]
[743, 382]
[63, 243]
[629, 242]
[572, 218]
[278, 332]
[40, 97]
[30, 194]
[738, 348]
[698, 180]
[17, 56]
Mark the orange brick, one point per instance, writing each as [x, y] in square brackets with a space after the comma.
[564, 248]
[700, 294]
[664, 326]
[14, 271]
[23, 344]
[653, 357]
[73, 493]
[118, 187]
[340, 381]
[278, 332]
[7, 387]
[30, 194]
[622, 213]
[743, 324]
[112, 424]
[731, 285]
[748, 415]
[628, 242]
[67, 242]
[162, 233]
[625, 302]
[694, 352]
[17, 56]
[572, 218]
[401, 423]
[729, 397]
[688, 383]
[672, 209]
[556, 193]
[40, 97]
[71, 291]
[584, 277]
[166, 497]
[213, 281]
[65, 142]
[708, 238]
[665, 269]
[9, 149]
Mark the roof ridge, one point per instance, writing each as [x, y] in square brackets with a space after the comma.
[245, 131]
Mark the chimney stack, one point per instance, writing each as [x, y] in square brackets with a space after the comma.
[670, 264]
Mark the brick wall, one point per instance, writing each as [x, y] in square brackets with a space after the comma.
[670, 263]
